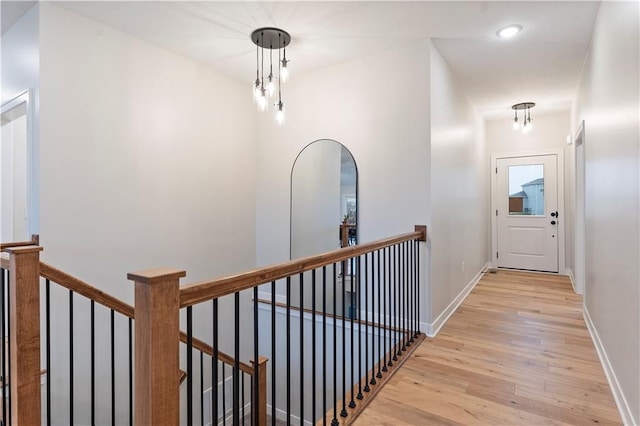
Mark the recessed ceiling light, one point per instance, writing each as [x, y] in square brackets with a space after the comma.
[510, 31]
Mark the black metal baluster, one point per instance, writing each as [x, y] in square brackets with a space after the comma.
[396, 319]
[201, 388]
[130, 371]
[324, 345]
[385, 303]
[92, 321]
[288, 351]
[242, 398]
[393, 299]
[380, 352]
[405, 287]
[334, 421]
[236, 362]
[113, 370]
[412, 278]
[9, 343]
[418, 287]
[47, 286]
[3, 351]
[359, 289]
[189, 365]
[273, 353]
[396, 289]
[301, 348]
[313, 346]
[255, 404]
[399, 312]
[392, 308]
[352, 309]
[366, 321]
[70, 357]
[214, 365]
[224, 396]
[343, 413]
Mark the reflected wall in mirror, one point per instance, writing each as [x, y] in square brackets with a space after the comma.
[14, 171]
[324, 212]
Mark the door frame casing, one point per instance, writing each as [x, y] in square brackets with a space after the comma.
[27, 97]
[561, 207]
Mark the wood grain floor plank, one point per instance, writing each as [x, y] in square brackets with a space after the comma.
[517, 351]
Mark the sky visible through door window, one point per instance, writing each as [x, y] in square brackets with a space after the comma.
[526, 189]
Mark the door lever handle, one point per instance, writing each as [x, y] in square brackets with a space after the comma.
[555, 214]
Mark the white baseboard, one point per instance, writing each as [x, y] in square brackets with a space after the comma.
[569, 273]
[282, 415]
[618, 395]
[432, 329]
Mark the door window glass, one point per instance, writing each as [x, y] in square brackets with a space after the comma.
[526, 190]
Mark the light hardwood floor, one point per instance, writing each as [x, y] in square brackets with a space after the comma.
[517, 351]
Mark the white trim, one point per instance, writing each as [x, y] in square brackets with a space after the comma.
[569, 273]
[560, 193]
[27, 98]
[432, 329]
[282, 415]
[618, 395]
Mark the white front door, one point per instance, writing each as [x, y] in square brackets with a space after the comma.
[527, 213]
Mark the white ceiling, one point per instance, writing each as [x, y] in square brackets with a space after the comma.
[11, 11]
[542, 64]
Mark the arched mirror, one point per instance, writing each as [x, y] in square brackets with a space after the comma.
[324, 199]
[324, 212]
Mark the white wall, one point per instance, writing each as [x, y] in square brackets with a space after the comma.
[549, 132]
[608, 102]
[386, 128]
[459, 189]
[147, 161]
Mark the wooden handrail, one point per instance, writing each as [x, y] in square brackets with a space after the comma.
[207, 349]
[87, 290]
[207, 290]
[34, 241]
[90, 292]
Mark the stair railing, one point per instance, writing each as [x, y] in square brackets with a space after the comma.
[332, 339]
[24, 282]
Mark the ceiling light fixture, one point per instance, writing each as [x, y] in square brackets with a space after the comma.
[509, 31]
[525, 124]
[270, 38]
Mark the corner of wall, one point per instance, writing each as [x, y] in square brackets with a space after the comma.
[614, 384]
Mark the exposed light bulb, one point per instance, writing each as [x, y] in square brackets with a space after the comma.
[271, 85]
[527, 127]
[262, 100]
[280, 113]
[284, 71]
[516, 124]
[256, 89]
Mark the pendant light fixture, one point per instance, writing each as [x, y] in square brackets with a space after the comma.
[525, 124]
[270, 38]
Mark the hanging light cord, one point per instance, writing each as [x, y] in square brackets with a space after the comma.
[279, 79]
[261, 44]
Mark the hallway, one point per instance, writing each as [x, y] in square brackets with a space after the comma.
[517, 351]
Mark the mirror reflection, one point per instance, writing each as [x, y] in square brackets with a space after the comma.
[324, 212]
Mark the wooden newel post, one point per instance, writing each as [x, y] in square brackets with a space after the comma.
[24, 266]
[157, 328]
[259, 412]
